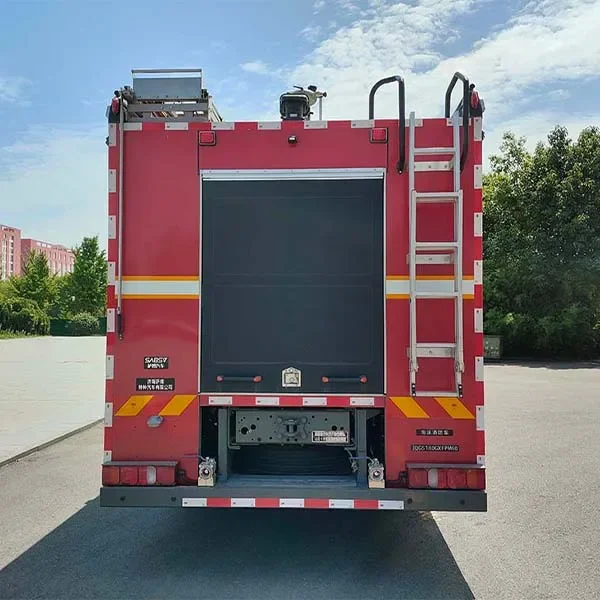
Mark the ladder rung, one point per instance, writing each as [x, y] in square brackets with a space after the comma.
[436, 295]
[439, 150]
[437, 196]
[431, 350]
[434, 259]
[448, 246]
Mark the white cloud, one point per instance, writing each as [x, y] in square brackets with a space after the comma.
[536, 126]
[12, 88]
[548, 42]
[311, 32]
[53, 184]
[318, 6]
[255, 66]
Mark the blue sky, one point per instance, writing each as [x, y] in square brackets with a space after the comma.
[536, 63]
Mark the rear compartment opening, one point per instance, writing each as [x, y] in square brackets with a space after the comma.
[292, 286]
[294, 447]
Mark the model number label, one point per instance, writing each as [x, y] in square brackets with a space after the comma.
[156, 362]
[435, 448]
[155, 384]
[330, 437]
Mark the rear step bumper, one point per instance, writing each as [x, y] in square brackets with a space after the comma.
[228, 496]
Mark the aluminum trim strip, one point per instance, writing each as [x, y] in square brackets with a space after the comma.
[297, 174]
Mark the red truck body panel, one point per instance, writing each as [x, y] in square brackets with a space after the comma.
[162, 282]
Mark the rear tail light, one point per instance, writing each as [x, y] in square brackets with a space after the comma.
[439, 478]
[417, 478]
[138, 475]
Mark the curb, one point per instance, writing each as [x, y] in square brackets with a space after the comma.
[39, 447]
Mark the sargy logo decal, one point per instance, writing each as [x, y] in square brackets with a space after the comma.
[291, 377]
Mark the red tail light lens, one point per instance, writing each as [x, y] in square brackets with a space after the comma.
[457, 479]
[446, 478]
[417, 478]
[138, 475]
[476, 479]
[129, 475]
[110, 475]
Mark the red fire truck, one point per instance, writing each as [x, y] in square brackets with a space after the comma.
[294, 307]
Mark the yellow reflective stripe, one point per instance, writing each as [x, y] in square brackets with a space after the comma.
[409, 407]
[176, 405]
[455, 408]
[133, 406]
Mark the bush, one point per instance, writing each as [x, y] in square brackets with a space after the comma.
[84, 324]
[22, 315]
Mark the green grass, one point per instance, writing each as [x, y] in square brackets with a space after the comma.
[10, 335]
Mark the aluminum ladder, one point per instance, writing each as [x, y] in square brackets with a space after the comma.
[439, 253]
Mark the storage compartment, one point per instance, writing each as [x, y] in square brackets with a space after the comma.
[292, 277]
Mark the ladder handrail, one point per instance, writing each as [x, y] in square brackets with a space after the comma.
[465, 116]
[401, 115]
[458, 292]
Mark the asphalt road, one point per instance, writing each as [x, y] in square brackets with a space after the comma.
[540, 538]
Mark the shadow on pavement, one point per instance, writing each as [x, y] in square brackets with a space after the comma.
[285, 554]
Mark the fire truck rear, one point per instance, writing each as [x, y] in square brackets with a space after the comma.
[294, 307]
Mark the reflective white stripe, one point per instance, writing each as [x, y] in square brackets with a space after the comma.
[477, 129]
[362, 124]
[223, 125]
[107, 456]
[362, 401]
[108, 414]
[478, 225]
[110, 366]
[314, 401]
[481, 459]
[176, 126]
[220, 400]
[147, 287]
[132, 127]
[478, 320]
[315, 124]
[433, 165]
[112, 181]
[243, 502]
[112, 227]
[267, 401]
[441, 286]
[112, 134]
[194, 502]
[291, 503]
[391, 505]
[479, 368]
[478, 272]
[111, 272]
[478, 177]
[269, 125]
[479, 418]
[338, 503]
[110, 320]
[295, 174]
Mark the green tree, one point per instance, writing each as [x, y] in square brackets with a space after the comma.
[85, 287]
[36, 283]
[542, 245]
